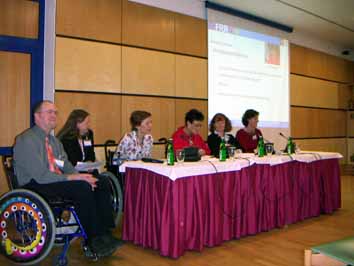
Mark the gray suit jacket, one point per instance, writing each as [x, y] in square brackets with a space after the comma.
[31, 161]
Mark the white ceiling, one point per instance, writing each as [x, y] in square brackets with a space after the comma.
[330, 20]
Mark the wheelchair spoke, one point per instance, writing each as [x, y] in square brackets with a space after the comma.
[25, 228]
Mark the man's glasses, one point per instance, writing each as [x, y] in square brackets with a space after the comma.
[50, 112]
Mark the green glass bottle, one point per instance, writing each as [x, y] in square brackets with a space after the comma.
[261, 148]
[170, 153]
[290, 146]
[222, 150]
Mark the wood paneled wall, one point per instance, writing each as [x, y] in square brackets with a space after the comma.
[350, 124]
[91, 19]
[318, 123]
[319, 99]
[148, 72]
[15, 95]
[138, 52]
[316, 64]
[332, 144]
[314, 92]
[147, 26]
[19, 18]
[191, 77]
[350, 143]
[105, 112]
[87, 66]
[132, 24]
[191, 30]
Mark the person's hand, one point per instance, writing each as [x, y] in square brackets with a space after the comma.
[202, 152]
[84, 177]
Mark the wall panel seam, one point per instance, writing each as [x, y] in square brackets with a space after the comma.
[131, 46]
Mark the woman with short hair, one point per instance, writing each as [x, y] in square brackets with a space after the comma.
[189, 134]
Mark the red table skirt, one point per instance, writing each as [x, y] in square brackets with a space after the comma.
[206, 210]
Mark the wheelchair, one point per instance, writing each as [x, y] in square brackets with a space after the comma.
[30, 225]
[112, 165]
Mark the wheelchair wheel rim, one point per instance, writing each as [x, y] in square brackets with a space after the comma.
[23, 228]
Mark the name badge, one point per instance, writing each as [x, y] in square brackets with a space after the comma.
[59, 163]
[254, 137]
[87, 143]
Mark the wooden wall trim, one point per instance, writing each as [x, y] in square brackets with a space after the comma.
[132, 94]
[314, 77]
[334, 137]
[321, 108]
[130, 45]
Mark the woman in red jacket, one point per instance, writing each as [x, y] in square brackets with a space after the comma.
[188, 135]
[249, 135]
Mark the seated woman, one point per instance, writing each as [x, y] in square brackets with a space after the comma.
[219, 125]
[188, 135]
[248, 136]
[77, 137]
[138, 143]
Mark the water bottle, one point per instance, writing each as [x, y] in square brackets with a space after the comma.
[290, 146]
[261, 148]
[170, 153]
[222, 151]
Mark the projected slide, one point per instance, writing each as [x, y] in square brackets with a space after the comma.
[248, 70]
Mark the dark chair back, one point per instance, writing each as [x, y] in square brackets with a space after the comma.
[109, 153]
[7, 162]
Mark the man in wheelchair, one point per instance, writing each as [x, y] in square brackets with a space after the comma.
[41, 165]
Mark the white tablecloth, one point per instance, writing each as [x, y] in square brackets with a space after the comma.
[210, 165]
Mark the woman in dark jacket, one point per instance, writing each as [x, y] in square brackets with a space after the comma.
[219, 125]
[77, 137]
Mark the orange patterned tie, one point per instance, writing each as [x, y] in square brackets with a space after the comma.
[51, 159]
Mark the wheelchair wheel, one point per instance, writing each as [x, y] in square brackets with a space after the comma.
[116, 196]
[27, 227]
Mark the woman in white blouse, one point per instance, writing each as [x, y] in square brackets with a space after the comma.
[138, 143]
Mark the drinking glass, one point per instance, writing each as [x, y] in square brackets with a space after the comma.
[231, 150]
[180, 154]
[269, 147]
[238, 153]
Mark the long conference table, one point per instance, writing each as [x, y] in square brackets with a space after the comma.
[190, 206]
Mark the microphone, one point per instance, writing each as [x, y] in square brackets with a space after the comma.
[286, 147]
[282, 135]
